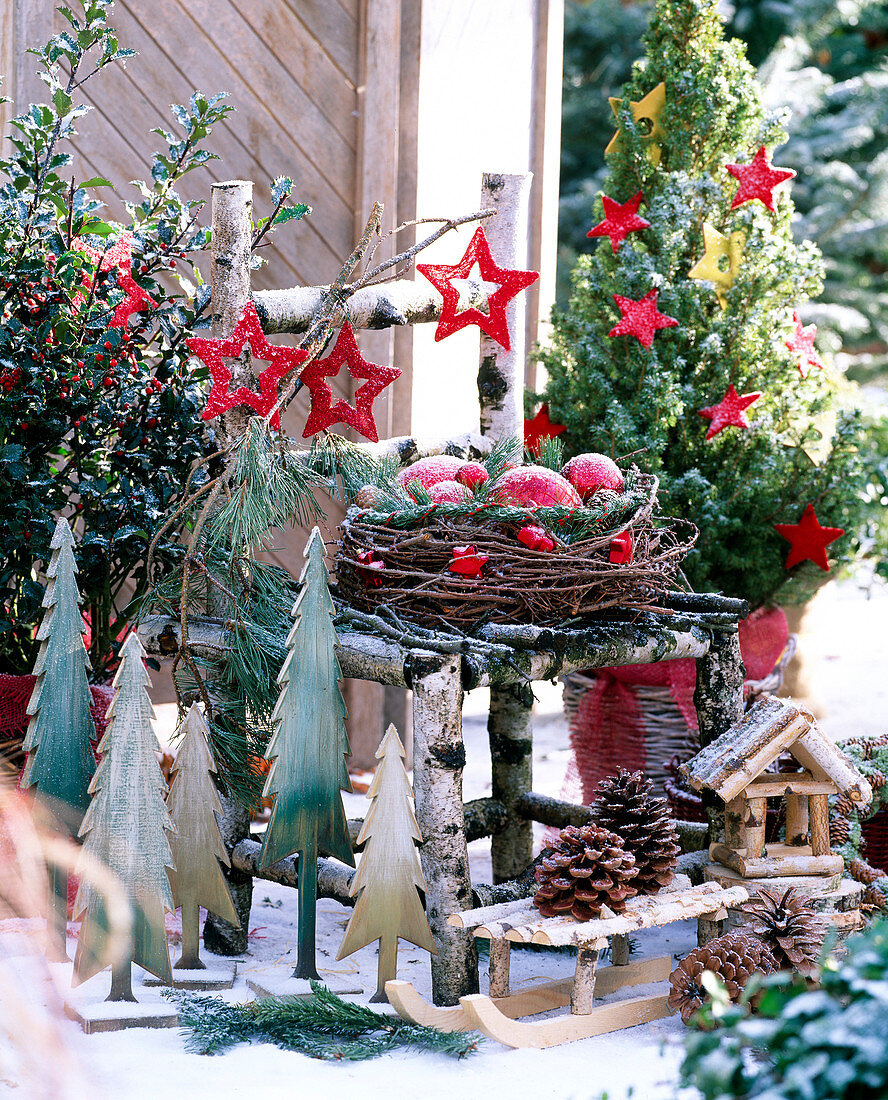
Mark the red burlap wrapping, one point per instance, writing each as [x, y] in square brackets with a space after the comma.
[608, 729]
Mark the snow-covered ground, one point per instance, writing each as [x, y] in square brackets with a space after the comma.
[849, 657]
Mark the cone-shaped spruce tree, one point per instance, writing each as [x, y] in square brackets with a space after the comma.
[307, 750]
[127, 827]
[692, 107]
[60, 760]
[389, 875]
[197, 847]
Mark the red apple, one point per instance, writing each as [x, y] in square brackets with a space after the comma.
[449, 492]
[590, 472]
[536, 487]
[471, 474]
[429, 471]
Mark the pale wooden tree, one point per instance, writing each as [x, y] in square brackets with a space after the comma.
[389, 875]
[60, 760]
[127, 828]
[307, 750]
[197, 847]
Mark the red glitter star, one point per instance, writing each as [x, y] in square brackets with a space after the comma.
[511, 282]
[467, 561]
[728, 413]
[360, 416]
[540, 428]
[640, 319]
[117, 258]
[619, 221]
[758, 179]
[809, 540]
[248, 330]
[802, 342]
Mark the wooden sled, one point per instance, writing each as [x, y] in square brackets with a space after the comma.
[498, 1015]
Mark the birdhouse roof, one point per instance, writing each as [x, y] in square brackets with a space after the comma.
[771, 726]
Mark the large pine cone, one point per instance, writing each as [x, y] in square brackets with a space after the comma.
[734, 957]
[588, 867]
[625, 804]
[788, 925]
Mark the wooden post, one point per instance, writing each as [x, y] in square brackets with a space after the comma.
[796, 819]
[735, 815]
[510, 729]
[819, 821]
[232, 221]
[582, 993]
[718, 700]
[438, 760]
[501, 372]
[620, 950]
[500, 957]
[755, 827]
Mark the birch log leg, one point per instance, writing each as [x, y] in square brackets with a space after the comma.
[230, 280]
[582, 994]
[510, 729]
[438, 760]
[500, 959]
[501, 372]
[620, 950]
[718, 700]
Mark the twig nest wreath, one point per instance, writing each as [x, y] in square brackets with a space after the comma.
[450, 544]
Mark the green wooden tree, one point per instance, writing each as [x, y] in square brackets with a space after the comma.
[198, 850]
[389, 875]
[127, 827]
[307, 750]
[60, 760]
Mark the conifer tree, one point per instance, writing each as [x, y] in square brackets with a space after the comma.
[127, 828]
[307, 750]
[197, 847]
[60, 760]
[618, 395]
[389, 875]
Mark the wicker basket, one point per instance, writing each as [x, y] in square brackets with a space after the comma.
[517, 584]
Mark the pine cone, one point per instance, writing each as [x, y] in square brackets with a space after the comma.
[863, 872]
[587, 868]
[625, 804]
[734, 957]
[788, 925]
[839, 831]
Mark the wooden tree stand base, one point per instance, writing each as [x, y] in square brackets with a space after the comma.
[218, 975]
[496, 1016]
[835, 899]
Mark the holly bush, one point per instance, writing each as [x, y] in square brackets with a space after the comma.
[829, 1043]
[99, 416]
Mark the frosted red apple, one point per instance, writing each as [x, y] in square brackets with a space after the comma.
[590, 472]
[536, 487]
[449, 492]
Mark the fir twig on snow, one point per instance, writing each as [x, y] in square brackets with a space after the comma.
[322, 1026]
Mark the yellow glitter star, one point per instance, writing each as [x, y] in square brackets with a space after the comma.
[649, 107]
[717, 245]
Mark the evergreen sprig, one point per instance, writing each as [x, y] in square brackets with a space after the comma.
[322, 1026]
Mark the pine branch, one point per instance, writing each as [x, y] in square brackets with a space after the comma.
[322, 1026]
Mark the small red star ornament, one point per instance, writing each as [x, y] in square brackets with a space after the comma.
[540, 428]
[802, 344]
[640, 319]
[619, 220]
[370, 568]
[729, 412]
[117, 258]
[248, 330]
[324, 411]
[809, 540]
[621, 549]
[468, 561]
[511, 282]
[758, 179]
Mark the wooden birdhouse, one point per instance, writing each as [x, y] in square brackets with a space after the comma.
[740, 767]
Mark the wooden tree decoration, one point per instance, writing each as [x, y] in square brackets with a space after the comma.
[126, 827]
[307, 750]
[60, 760]
[389, 874]
[197, 847]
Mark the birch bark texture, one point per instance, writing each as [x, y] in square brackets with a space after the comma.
[389, 874]
[127, 827]
[199, 853]
[307, 750]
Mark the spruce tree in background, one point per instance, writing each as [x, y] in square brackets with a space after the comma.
[684, 392]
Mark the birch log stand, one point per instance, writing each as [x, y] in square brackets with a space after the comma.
[698, 626]
[497, 1015]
